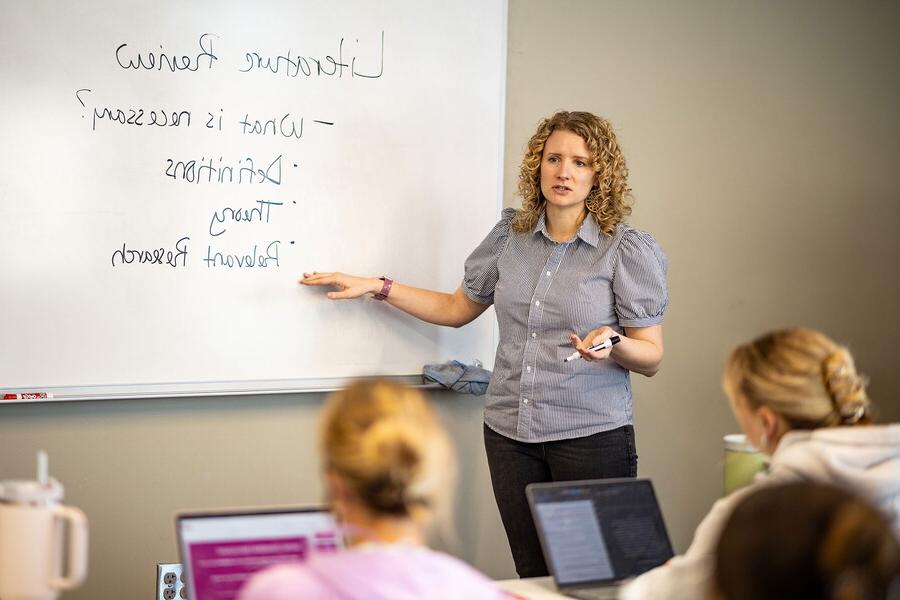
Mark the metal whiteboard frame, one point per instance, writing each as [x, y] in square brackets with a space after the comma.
[201, 389]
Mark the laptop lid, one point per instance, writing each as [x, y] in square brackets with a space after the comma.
[598, 531]
[221, 550]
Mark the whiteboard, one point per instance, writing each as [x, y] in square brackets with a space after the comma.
[169, 169]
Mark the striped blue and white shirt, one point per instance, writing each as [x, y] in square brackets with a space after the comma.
[543, 291]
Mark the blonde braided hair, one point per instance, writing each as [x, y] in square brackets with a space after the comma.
[802, 375]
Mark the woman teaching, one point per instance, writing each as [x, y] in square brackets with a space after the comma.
[562, 272]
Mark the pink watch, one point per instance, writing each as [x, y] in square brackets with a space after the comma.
[385, 288]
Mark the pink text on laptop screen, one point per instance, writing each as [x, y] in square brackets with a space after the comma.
[220, 569]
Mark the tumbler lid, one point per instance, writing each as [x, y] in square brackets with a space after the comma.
[31, 492]
[737, 442]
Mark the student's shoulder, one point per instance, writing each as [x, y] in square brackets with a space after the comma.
[466, 581]
[281, 582]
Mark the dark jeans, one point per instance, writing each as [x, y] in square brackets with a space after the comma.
[515, 464]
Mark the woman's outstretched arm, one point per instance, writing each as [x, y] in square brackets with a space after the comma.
[451, 310]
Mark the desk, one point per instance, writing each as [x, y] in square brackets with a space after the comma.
[533, 588]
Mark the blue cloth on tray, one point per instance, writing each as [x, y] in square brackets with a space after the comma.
[454, 375]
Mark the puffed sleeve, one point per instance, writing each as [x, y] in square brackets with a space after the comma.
[639, 281]
[481, 274]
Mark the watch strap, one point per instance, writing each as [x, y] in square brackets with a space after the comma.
[385, 288]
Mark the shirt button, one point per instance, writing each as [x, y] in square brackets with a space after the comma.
[533, 334]
[528, 369]
[524, 400]
[549, 273]
[537, 302]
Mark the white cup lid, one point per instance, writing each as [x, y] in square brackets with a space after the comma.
[31, 492]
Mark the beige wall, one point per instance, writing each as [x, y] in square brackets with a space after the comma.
[764, 144]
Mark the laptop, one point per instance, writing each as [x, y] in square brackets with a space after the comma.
[596, 534]
[221, 550]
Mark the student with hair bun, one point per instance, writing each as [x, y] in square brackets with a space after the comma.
[797, 396]
[839, 547]
[388, 469]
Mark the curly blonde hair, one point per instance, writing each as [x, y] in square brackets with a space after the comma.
[610, 198]
[802, 375]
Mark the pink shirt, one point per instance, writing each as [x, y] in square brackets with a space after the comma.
[378, 572]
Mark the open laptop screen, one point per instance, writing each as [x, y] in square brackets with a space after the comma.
[220, 551]
[600, 530]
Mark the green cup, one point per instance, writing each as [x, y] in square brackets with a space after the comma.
[742, 462]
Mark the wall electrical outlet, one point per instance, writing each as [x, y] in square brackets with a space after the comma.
[170, 582]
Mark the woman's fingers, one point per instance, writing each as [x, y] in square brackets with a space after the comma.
[598, 354]
[347, 286]
[339, 295]
[312, 276]
[597, 336]
[315, 278]
[581, 347]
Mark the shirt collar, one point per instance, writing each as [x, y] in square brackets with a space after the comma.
[589, 232]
